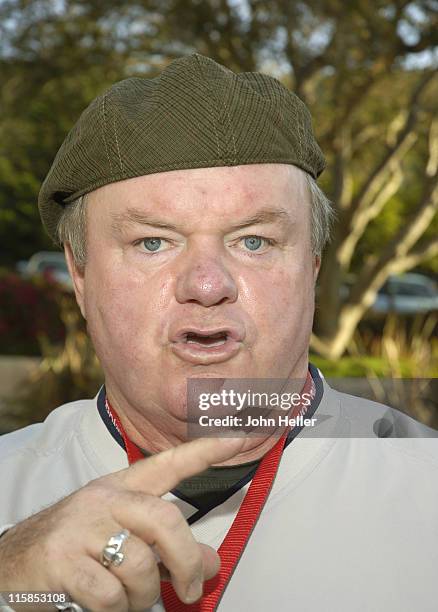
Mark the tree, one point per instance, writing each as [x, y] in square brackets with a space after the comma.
[52, 64]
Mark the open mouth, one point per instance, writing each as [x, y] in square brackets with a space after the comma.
[208, 340]
[206, 346]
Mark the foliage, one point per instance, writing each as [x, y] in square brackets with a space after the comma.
[67, 372]
[29, 314]
[402, 349]
[405, 349]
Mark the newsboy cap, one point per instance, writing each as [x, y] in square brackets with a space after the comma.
[195, 114]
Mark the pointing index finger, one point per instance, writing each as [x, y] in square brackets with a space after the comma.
[162, 472]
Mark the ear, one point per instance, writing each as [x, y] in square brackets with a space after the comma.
[77, 276]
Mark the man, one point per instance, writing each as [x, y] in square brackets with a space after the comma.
[193, 229]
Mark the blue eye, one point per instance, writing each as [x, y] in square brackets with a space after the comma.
[152, 244]
[253, 242]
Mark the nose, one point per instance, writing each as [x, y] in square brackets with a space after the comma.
[205, 281]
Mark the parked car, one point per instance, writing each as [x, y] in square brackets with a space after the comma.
[407, 294]
[50, 264]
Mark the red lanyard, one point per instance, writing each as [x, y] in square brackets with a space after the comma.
[238, 535]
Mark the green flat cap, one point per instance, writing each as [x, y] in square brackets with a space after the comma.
[195, 114]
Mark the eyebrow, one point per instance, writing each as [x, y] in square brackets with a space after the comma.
[134, 216]
[266, 215]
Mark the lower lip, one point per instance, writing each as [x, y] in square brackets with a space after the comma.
[202, 354]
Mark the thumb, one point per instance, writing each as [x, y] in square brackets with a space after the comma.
[210, 559]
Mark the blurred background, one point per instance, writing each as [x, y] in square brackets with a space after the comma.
[367, 71]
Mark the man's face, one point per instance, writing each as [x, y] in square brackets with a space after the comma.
[177, 256]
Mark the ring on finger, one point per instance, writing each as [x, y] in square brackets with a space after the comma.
[112, 553]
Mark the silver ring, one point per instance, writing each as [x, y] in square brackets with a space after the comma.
[69, 607]
[111, 554]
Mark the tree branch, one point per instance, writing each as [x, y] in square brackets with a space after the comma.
[365, 214]
[350, 104]
[415, 257]
[375, 273]
[397, 258]
[370, 199]
[372, 183]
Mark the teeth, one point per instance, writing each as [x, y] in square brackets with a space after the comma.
[210, 341]
[207, 342]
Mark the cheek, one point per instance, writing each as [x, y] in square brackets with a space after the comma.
[126, 310]
[280, 305]
[280, 301]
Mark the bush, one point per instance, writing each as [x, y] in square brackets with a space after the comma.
[29, 311]
[67, 372]
[401, 365]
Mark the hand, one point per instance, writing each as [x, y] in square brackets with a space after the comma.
[59, 549]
